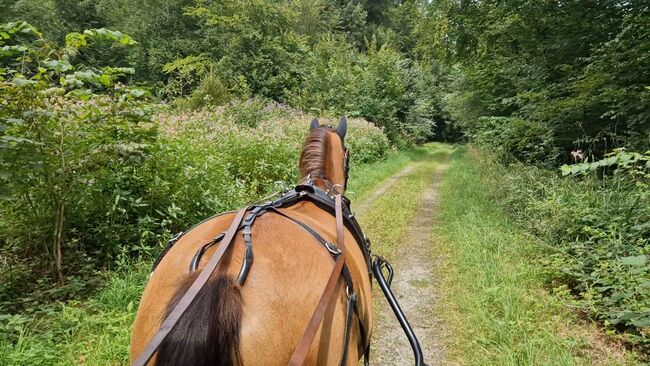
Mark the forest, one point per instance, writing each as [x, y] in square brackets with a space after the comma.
[124, 122]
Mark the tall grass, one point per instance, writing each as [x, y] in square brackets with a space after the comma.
[493, 296]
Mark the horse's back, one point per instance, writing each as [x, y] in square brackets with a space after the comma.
[288, 275]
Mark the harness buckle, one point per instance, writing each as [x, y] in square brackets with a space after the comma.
[332, 248]
[351, 295]
[337, 189]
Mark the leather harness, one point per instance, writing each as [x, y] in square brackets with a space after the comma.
[335, 204]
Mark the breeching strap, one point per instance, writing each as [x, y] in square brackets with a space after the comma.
[303, 347]
[191, 293]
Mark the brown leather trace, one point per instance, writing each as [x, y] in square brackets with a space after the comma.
[302, 349]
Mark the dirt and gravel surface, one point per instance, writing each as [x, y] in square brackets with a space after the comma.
[414, 284]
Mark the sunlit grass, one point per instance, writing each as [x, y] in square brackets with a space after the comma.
[363, 178]
[386, 222]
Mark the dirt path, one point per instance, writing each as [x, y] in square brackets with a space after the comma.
[365, 204]
[414, 286]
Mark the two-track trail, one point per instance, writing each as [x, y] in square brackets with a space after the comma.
[466, 276]
[413, 257]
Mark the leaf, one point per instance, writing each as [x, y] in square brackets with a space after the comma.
[641, 322]
[575, 169]
[23, 82]
[566, 170]
[638, 260]
[137, 93]
[105, 80]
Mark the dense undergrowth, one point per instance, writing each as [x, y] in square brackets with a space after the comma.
[198, 164]
[110, 144]
[597, 234]
[95, 173]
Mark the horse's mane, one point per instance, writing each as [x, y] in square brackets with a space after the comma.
[314, 152]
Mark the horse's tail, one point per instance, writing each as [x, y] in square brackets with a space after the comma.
[208, 332]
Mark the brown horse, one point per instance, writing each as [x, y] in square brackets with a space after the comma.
[261, 322]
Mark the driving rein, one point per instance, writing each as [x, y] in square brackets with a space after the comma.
[336, 205]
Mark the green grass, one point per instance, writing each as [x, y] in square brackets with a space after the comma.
[386, 222]
[97, 331]
[492, 301]
[364, 178]
[93, 332]
[493, 304]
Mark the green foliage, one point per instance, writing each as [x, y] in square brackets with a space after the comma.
[97, 330]
[582, 78]
[514, 138]
[325, 56]
[635, 164]
[598, 236]
[93, 174]
[58, 138]
[380, 85]
[94, 332]
[494, 273]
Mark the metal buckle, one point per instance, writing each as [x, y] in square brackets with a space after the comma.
[332, 248]
[337, 189]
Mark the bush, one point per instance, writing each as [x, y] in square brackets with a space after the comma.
[599, 237]
[381, 86]
[71, 140]
[514, 138]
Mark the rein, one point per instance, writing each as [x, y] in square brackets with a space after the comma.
[333, 202]
[302, 349]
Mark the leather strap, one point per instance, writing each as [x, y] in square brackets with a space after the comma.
[191, 293]
[304, 345]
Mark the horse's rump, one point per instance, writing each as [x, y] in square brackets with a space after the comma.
[280, 294]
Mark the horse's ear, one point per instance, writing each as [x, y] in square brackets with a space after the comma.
[314, 124]
[342, 128]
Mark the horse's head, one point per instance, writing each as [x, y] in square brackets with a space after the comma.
[324, 158]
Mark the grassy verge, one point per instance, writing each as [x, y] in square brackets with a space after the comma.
[97, 331]
[93, 332]
[492, 299]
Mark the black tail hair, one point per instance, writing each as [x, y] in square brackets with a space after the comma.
[207, 334]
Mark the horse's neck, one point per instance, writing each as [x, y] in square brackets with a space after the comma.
[333, 168]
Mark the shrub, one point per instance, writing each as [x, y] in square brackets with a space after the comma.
[515, 138]
[599, 237]
[90, 178]
[379, 86]
[70, 136]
